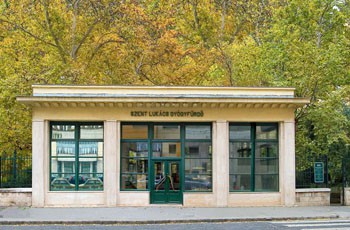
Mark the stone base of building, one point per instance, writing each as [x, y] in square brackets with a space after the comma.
[347, 196]
[16, 197]
[313, 197]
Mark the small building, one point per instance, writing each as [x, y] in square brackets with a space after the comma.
[142, 145]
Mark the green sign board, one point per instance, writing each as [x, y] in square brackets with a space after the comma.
[318, 172]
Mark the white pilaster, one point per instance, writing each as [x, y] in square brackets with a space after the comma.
[39, 170]
[221, 163]
[111, 179]
[288, 167]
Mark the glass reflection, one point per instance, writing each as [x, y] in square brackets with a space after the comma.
[159, 178]
[134, 132]
[174, 176]
[91, 132]
[240, 132]
[166, 149]
[266, 132]
[169, 132]
[62, 131]
[198, 132]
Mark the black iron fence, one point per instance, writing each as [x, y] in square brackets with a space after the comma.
[15, 170]
[312, 172]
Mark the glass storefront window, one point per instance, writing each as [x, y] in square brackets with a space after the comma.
[76, 164]
[253, 157]
[198, 158]
[134, 165]
[189, 145]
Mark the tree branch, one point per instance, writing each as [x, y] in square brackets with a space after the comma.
[55, 38]
[28, 32]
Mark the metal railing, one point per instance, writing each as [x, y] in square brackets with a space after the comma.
[15, 170]
[305, 176]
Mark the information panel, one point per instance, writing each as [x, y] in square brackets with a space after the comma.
[318, 172]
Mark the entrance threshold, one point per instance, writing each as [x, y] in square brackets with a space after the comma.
[166, 205]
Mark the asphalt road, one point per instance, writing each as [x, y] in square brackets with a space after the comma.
[292, 225]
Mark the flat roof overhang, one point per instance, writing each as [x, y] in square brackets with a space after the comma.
[160, 102]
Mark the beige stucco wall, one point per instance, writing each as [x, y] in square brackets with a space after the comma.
[123, 114]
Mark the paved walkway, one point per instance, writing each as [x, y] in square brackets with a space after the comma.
[164, 214]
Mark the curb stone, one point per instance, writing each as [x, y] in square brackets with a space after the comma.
[144, 222]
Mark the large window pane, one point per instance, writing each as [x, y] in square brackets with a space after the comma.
[61, 184]
[163, 132]
[266, 132]
[266, 149]
[92, 183]
[63, 148]
[195, 182]
[266, 182]
[198, 132]
[135, 165]
[198, 149]
[76, 164]
[91, 132]
[240, 182]
[166, 149]
[62, 167]
[62, 170]
[253, 157]
[134, 132]
[240, 165]
[240, 132]
[63, 131]
[240, 149]
[135, 149]
[198, 166]
[91, 148]
[198, 174]
[198, 158]
[266, 166]
[134, 181]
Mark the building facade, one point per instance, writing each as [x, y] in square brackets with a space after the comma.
[139, 146]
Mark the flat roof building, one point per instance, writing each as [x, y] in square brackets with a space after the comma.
[142, 145]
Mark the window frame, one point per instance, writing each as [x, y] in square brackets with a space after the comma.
[151, 140]
[184, 158]
[134, 140]
[254, 141]
[77, 140]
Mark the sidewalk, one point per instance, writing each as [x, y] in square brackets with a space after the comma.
[164, 214]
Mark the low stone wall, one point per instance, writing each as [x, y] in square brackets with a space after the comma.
[347, 196]
[313, 197]
[15, 197]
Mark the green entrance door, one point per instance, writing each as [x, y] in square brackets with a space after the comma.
[166, 186]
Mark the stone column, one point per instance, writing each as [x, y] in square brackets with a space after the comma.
[110, 163]
[288, 164]
[39, 169]
[221, 163]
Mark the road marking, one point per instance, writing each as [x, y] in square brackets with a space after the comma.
[316, 225]
[310, 221]
[342, 228]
